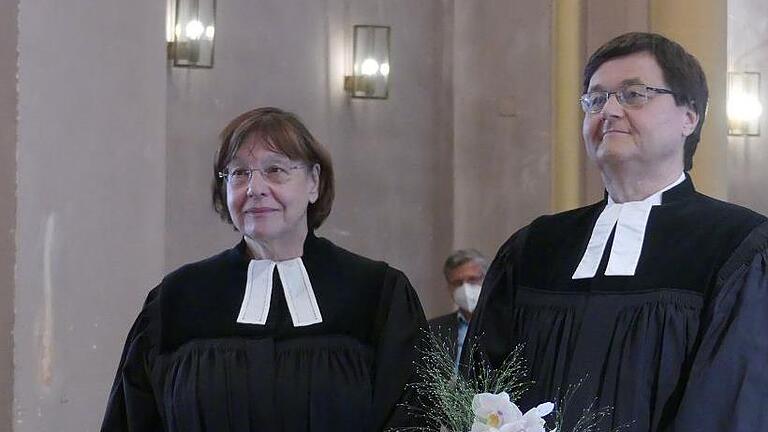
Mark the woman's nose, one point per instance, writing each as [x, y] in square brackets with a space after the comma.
[257, 185]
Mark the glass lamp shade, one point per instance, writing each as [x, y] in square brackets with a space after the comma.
[194, 33]
[370, 68]
[744, 107]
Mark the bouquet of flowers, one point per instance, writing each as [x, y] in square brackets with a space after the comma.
[495, 412]
[484, 401]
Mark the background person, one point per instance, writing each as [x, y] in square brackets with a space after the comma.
[464, 271]
[655, 296]
[285, 331]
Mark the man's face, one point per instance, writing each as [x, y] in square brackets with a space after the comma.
[648, 137]
[470, 272]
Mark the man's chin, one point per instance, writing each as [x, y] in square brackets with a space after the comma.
[615, 151]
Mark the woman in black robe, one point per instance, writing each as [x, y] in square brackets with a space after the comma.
[284, 332]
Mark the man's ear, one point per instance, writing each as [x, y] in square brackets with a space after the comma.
[691, 121]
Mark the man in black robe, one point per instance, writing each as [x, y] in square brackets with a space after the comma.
[654, 299]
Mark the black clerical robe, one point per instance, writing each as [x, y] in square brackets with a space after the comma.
[188, 366]
[682, 345]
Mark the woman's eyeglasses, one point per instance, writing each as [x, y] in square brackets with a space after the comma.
[272, 173]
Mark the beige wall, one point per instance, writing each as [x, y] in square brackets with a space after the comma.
[8, 102]
[114, 151]
[501, 85]
[748, 52]
[90, 207]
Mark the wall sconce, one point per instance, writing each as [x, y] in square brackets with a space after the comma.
[744, 107]
[190, 27]
[370, 63]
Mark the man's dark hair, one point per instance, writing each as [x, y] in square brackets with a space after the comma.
[682, 73]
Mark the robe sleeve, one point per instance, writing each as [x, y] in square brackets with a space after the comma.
[401, 328]
[131, 406]
[727, 386]
[488, 334]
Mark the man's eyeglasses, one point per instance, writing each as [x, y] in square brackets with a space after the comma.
[272, 173]
[630, 96]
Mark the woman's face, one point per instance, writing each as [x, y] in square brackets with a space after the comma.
[265, 210]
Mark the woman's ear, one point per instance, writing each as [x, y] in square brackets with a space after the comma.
[314, 177]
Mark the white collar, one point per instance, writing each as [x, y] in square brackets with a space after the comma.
[630, 220]
[299, 295]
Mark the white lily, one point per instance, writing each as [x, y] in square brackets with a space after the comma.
[532, 420]
[492, 411]
[496, 413]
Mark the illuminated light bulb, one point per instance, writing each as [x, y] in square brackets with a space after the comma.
[209, 32]
[744, 107]
[384, 69]
[369, 67]
[194, 29]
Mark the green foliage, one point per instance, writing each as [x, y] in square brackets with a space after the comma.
[444, 399]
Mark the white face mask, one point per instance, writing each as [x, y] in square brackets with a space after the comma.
[466, 296]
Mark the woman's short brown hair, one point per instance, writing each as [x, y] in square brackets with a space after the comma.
[284, 133]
